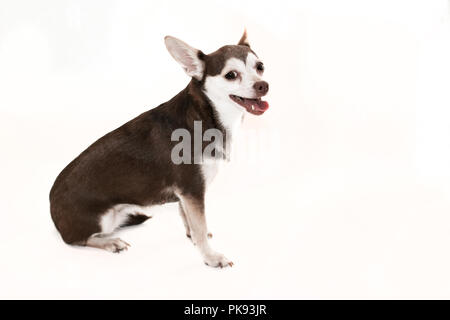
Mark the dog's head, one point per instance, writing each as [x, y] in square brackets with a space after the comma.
[231, 77]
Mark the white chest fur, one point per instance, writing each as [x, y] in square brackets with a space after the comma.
[210, 167]
[210, 170]
[230, 116]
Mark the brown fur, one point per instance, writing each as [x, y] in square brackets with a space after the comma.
[131, 165]
[215, 61]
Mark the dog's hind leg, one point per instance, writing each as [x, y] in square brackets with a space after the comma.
[110, 244]
[89, 229]
[116, 217]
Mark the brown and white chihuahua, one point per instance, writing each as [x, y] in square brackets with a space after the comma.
[115, 180]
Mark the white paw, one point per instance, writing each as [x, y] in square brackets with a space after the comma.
[215, 259]
[115, 245]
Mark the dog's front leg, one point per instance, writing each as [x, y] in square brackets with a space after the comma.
[185, 222]
[194, 210]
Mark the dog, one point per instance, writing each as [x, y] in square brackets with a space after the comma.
[116, 179]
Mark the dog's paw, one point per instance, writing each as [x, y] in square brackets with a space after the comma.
[115, 245]
[215, 259]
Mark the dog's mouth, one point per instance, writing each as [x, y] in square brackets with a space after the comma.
[253, 106]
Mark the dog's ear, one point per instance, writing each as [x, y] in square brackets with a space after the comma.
[244, 40]
[189, 58]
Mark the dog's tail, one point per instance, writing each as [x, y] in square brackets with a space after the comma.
[135, 219]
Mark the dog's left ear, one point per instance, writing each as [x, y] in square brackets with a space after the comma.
[244, 40]
[186, 56]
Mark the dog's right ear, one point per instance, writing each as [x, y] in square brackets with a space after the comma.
[244, 40]
[186, 56]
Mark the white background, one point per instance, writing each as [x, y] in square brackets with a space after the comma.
[349, 193]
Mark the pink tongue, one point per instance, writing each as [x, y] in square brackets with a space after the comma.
[262, 105]
[256, 106]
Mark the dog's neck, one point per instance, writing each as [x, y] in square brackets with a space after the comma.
[216, 113]
[227, 112]
[226, 115]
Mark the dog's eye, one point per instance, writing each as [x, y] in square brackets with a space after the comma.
[260, 66]
[231, 75]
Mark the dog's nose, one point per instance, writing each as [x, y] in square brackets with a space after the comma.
[261, 87]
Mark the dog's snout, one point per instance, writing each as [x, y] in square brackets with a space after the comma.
[261, 87]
